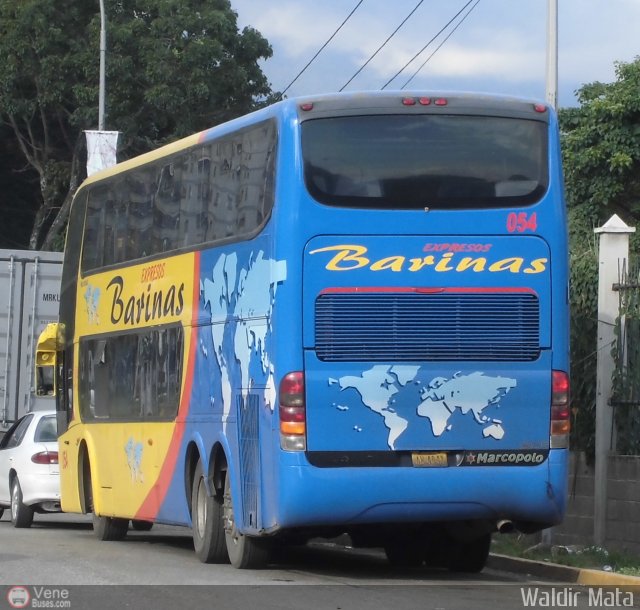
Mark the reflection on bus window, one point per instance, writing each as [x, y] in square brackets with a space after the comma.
[133, 376]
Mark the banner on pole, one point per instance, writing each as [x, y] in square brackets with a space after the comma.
[102, 147]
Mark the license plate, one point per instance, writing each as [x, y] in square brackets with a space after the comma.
[429, 460]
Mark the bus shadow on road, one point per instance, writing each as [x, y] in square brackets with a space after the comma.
[320, 558]
[329, 559]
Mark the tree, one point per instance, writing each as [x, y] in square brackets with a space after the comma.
[18, 193]
[601, 158]
[601, 149]
[174, 67]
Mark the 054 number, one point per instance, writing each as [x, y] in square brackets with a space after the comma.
[521, 222]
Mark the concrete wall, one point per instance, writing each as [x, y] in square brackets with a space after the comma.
[623, 504]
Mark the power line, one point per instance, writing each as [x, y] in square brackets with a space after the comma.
[422, 65]
[362, 67]
[355, 8]
[425, 46]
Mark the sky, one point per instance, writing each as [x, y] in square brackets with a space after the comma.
[499, 48]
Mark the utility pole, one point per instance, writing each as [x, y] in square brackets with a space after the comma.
[101, 145]
[552, 54]
[552, 99]
[103, 53]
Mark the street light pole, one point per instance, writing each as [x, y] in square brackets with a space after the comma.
[552, 54]
[103, 52]
[101, 145]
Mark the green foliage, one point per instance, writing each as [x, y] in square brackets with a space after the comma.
[601, 146]
[601, 157]
[625, 397]
[592, 557]
[584, 312]
[173, 67]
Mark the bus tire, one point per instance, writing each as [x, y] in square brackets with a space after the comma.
[21, 514]
[206, 521]
[140, 525]
[405, 551]
[470, 556]
[245, 552]
[109, 528]
[104, 528]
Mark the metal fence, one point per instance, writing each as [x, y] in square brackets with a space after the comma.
[625, 395]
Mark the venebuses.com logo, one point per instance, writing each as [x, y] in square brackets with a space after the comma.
[20, 596]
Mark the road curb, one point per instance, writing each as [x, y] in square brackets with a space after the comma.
[557, 572]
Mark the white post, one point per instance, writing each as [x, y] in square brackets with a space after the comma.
[613, 248]
[552, 53]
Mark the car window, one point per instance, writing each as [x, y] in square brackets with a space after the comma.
[46, 431]
[17, 434]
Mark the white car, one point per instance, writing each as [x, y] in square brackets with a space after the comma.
[29, 471]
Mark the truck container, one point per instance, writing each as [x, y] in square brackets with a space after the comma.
[29, 299]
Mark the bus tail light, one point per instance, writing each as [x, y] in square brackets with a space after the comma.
[293, 420]
[560, 412]
[45, 457]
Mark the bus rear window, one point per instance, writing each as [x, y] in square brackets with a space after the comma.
[425, 161]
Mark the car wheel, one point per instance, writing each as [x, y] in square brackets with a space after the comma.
[21, 514]
[1, 512]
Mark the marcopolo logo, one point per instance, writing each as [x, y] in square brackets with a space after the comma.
[504, 458]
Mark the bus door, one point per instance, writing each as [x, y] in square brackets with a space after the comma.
[427, 344]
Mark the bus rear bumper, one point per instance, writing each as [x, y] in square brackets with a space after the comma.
[527, 495]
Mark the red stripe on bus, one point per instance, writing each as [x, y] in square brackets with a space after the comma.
[151, 504]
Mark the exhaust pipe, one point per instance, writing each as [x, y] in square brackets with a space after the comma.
[505, 526]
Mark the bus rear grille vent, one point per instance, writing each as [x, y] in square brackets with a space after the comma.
[491, 326]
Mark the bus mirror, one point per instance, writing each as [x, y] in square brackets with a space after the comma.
[49, 343]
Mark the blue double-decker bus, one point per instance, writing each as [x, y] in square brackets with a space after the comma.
[339, 314]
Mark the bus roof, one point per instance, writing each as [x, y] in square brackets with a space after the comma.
[363, 102]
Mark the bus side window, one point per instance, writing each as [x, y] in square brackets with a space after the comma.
[99, 376]
[168, 357]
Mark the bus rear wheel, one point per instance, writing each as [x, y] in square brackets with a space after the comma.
[206, 518]
[470, 556]
[405, 549]
[244, 552]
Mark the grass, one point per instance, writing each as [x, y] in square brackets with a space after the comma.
[592, 557]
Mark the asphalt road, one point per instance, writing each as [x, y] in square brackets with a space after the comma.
[61, 564]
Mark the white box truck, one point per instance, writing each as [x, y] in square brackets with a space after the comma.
[29, 300]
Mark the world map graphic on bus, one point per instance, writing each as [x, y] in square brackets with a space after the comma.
[246, 295]
[470, 394]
